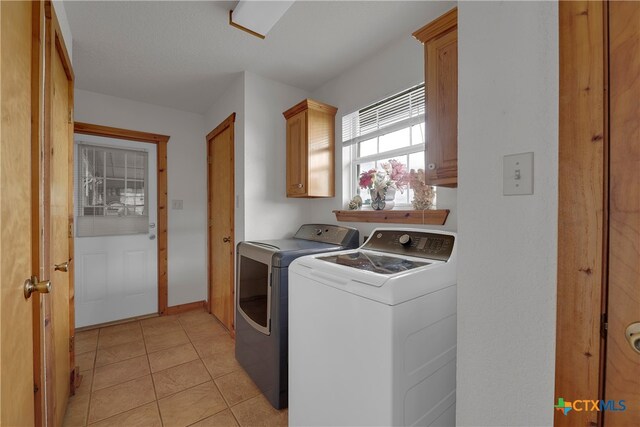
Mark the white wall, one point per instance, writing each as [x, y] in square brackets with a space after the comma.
[398, 67]
[269, 213]
[262, 209]
[61, 13]
[508, 103]
[232, 101]
[186, 181]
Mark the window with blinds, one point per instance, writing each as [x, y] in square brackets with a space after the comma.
[111, 191]
[391, 129]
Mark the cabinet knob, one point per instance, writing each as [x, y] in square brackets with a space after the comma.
[299, 185]
[431, 166]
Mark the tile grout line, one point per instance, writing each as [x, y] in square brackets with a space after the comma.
[200, 358]
[130, 409]
[213, 381]
[153, 382]
[90, 390]
[229, 407]
[154, 391]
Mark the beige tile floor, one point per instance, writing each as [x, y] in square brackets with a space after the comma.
[167, 371]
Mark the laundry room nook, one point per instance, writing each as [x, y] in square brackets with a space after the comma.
[319, 213]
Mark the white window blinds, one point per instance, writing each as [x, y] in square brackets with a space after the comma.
[111, 191]
[396, 112]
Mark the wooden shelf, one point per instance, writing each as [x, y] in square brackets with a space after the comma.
[429, 216]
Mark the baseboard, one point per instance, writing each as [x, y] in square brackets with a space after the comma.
[116, 322]
[182, 308]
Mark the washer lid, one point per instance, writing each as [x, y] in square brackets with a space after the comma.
[376, 263]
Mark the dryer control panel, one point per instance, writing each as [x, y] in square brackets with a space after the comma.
[412, 243]
[327, 233]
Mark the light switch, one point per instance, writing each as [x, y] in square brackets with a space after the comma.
[517, 174]
[176, 205]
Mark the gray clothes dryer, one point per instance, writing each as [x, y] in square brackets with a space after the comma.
[262, 299]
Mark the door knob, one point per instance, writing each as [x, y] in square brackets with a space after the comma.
[431, 166]
[64, 267]
[300, 185]
[32, 285]
[633, 336]
[226, 239]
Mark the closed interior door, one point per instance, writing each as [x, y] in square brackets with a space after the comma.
[622, 374]
[60, 216]
[116, 228]
[221, 210]
[16, 347]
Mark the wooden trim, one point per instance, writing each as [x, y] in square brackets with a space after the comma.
[221, 127]
[429, 216]
[117, 322]
[59, 44]
[582, 210]
[163, 223]
[37, 100]
[245, 29]
[48, 354]
[437, 27]
[183, 308]
[111, 132]
[163, 228]
[307, 104]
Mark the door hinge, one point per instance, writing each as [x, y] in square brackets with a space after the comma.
[71, 344]
[35, 388]
[210, 160]
[604, 325]
[70, 116]
[70, 230]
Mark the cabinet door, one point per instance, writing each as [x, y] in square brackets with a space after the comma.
[441, 69]
[297, 155]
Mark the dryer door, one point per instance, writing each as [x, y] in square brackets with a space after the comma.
[254, 286]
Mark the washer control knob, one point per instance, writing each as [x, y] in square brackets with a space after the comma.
[318, 231]
[405, 240]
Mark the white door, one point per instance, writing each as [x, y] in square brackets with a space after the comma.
[116, 250]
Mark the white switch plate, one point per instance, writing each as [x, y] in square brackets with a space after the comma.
[517, 174]
[176, 205]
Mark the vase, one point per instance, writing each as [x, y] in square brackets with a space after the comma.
[383, 199]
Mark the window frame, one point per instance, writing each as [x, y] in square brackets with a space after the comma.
[353, 143]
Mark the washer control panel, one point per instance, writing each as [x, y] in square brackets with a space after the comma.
[413, 243]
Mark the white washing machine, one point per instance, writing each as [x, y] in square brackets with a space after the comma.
[372, 333]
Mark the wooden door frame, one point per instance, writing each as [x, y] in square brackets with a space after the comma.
[37, 147]
[582, 207]
[228, 123]
[163, 243]
[53, 42]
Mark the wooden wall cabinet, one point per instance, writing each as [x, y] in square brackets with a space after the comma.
[311, 149]
[440, 39]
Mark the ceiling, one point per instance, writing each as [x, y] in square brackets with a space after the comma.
[184, 54]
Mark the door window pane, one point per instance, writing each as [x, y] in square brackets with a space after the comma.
[112, 194]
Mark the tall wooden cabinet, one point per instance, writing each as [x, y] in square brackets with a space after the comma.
[311, 149]
[440, 39]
